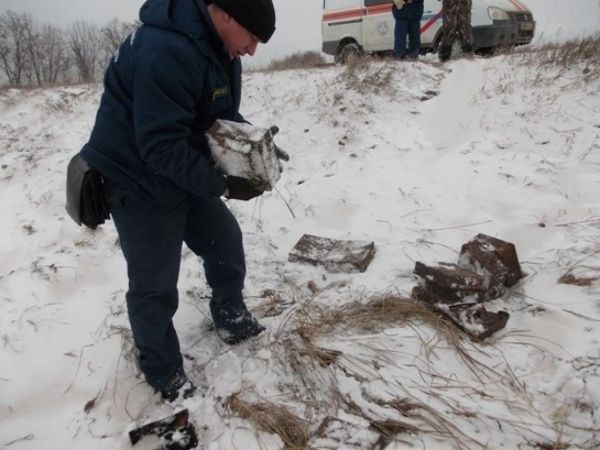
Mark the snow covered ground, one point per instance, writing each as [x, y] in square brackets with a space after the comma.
[416, 157]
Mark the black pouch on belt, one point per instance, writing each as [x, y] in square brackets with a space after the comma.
[85, 194]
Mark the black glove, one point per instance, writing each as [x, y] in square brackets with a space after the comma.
[278, 152]
[243, 188]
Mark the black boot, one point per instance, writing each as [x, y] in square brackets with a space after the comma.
[176, 386]
[239, 328]
[467, 48]
[445, 52]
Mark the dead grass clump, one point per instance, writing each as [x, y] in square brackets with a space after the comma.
[567, 55]
[300, 60]
[549, 445]
[391, 427]
[569, 278]
[572, 52]
[436, 421]
[360, 76]
[314, 321]
[272, 306]
[372, 316]
[325, 357]
[306, 360]
[273, 418]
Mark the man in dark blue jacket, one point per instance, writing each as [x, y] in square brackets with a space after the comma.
[408, 22]
[167, 84]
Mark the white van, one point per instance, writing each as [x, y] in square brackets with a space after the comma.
[354, 26]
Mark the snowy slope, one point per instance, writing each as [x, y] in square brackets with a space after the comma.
[418, 158]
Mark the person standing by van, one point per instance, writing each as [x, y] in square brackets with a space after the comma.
[408, 14]
[457, 26]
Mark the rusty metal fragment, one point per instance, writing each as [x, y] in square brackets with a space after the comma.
[335, 255]
[176, 432]
[495, 259]
[472, 318]
[475, 320]
[334, 433]
[432, 295]
[485, 268]
[507, 252]
[246, 151]
[450, 282]
[475, 256]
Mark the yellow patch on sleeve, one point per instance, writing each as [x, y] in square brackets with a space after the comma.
[219, 92]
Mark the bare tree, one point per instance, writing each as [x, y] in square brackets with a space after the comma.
[54, 55]
[13, 51]
[85, 43]
[114, 32]
[46, 55]
[32, 45]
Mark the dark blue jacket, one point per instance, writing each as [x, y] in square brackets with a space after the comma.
[168, 83]
[411, 11]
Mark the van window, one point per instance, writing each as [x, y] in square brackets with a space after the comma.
[376, 2]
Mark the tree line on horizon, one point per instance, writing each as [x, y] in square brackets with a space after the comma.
[41, 54]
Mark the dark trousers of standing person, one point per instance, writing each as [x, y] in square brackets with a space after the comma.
[151, 238]
[408, 22]
[457, 26]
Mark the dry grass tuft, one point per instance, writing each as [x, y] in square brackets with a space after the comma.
[273, 418]
[549, 446]
[313, 321]
[569, 278]
[359, 76]
[306, 360]
[272, 306]
[437, 422]
[373, 316]
[581, 50]
[325, 357]
[567, 55]
[300, 60]
[391, 427]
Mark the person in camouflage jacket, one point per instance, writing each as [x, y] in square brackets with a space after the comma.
[457, 26]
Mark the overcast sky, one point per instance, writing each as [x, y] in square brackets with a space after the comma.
[298, 21]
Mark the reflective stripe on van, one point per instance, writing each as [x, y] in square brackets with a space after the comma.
[340, 15]
[358, 13]
[431, 20]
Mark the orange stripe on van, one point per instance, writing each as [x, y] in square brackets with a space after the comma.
[518, 5]
[379, 9]
[347, 14]
[373, 10]
[431, 21]
[357, 13]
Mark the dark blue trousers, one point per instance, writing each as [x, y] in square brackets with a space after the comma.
[408, 22]
[412, 28]
[151, 238]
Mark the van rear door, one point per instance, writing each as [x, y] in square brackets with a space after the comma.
[378, 26]
[342, 22]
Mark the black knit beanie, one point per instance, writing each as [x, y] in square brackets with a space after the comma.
[256, 16]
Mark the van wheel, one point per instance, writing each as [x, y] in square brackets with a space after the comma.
[348, 53]
[486, 51]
